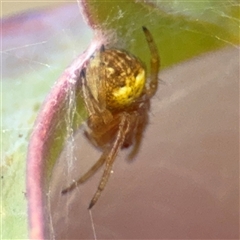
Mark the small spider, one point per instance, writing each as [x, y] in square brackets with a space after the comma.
[117, 98]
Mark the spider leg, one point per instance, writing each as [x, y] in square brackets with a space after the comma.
[90, 101]
[93, 107]
[101, 83]
[155, 63]
[88, 174]
[98, 164]
[96, 114]
[113, 150]
[141, 123]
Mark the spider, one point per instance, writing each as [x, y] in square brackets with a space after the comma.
[117, 98]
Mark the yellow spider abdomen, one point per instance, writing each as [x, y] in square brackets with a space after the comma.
[116, 78]
[126, 95]
[125, 78]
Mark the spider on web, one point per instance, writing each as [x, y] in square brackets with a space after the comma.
[117, 98]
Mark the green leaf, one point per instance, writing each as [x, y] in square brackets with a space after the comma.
[181, 29]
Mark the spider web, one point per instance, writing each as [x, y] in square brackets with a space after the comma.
[176, 192]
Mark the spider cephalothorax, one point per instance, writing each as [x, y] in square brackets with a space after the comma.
[117, 98]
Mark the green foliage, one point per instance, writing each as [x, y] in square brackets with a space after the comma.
[182, 29]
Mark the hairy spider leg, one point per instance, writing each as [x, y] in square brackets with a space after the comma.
[116, 146]
[93, 107]
[140, 125]
[155, 63]
[97, 165]
[88, 174]
[101, 75]
[91, 104]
